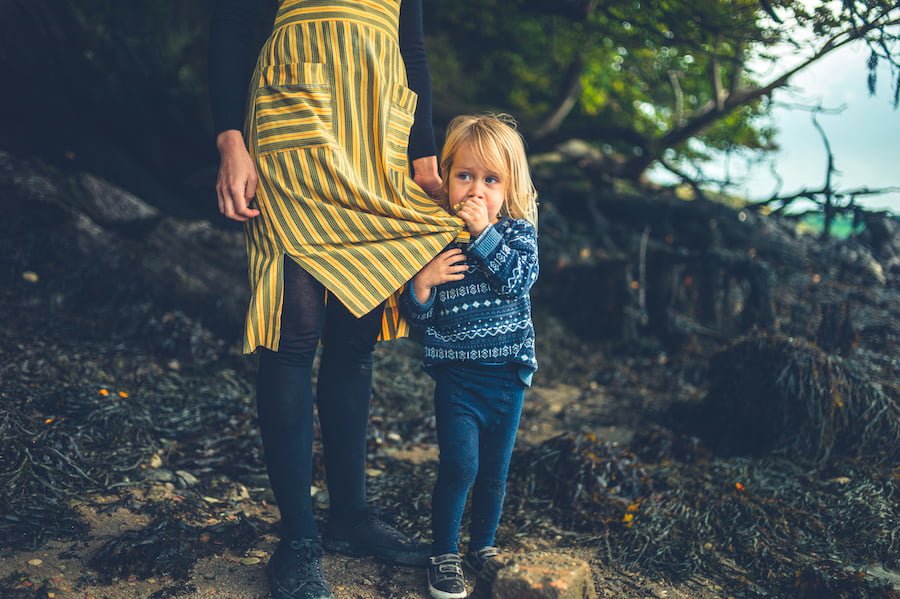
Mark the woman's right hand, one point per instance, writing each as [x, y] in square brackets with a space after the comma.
[237, 180]
[446, 266]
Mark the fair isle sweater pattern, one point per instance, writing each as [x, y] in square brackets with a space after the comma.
[486, 316]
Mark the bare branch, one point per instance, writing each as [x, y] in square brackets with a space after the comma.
[813, 195]
[770, 11]
[678, 119]
[571, 89]
[779, 181]
[827, 191]
[738, 61]
[715, 75]
[710, 113]
[694, 183]
[567, 100]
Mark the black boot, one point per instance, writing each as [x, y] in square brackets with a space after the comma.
[295, 571]
[371, 536]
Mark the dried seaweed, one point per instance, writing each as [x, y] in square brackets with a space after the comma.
[587, 482]
[774, 393]
[168, 547]
[738, 519]
[79, 440]
[18, 586]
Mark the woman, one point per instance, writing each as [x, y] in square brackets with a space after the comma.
[334, 228]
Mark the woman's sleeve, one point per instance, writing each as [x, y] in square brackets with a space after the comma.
[232, 53]
[412, 47]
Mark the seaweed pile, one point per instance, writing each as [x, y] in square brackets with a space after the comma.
[168, 546]
[88, 437]
[775, 393]
[86, 407]
[765, 525]
[586, 481]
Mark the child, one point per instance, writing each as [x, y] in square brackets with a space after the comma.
[479, 338]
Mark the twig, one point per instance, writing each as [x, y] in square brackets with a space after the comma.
[642, 274]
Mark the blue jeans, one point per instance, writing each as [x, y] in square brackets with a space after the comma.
[477, 409]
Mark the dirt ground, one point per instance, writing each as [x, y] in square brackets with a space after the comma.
[60, 569]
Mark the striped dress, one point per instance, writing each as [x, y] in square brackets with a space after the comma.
[328, 125]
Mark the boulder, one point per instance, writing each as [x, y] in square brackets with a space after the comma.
[535, 576]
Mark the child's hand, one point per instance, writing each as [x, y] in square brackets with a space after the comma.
[446, 266]
[474, 213]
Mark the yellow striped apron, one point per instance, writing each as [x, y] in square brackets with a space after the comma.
[328, 126]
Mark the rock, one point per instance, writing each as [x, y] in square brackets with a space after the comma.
[106, 238]
[161, 475]
[535, 576]
[238, 492]
[186, 479]
[107, 204]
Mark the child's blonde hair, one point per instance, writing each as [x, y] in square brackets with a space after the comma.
[497, 143]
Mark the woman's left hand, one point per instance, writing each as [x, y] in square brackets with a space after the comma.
[427, 176]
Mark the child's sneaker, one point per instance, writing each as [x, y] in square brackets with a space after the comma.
[445, 577]
[477, 559]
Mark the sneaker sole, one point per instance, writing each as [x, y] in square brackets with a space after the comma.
[404, 558]
[439, 594]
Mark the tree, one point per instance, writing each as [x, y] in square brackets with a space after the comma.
[664, 81]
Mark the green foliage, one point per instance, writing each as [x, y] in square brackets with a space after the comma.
[651, 79]
[164, 39]
[648, 71]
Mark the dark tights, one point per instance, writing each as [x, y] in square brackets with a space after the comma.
[284, 402]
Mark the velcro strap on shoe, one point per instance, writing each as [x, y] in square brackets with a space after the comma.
[486, 553]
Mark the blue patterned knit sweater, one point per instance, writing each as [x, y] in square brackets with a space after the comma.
[486, 316]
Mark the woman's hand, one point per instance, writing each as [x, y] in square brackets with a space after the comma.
[426, 175]
[446, 266]
[237, 180]
[474, 213]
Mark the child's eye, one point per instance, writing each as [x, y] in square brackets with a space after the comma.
[492, 179]
[463, 176]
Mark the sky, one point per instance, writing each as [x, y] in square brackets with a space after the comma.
[865, 137]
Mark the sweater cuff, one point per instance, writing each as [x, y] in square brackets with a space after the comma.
[486, 242]
[417, 305]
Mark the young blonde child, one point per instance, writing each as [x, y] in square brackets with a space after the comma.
[473, 302]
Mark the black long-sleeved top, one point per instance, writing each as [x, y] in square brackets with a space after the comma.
[232, 54]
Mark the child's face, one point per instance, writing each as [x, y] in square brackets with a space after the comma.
[469, 178]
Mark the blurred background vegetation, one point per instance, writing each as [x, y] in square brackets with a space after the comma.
[119, 89]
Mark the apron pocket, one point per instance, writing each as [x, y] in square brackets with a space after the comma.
[293, 107]
[400, 121]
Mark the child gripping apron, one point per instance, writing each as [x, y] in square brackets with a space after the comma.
[328, 125]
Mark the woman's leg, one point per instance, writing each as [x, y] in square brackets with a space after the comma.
[284, 401]
[343, 393]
